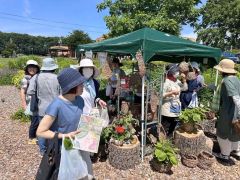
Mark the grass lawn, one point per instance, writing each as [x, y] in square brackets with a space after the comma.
[4, 61]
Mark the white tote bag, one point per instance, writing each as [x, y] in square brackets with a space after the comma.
[194, 101]
[72, 165]
[101, 113]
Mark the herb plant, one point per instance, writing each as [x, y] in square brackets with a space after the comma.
[166, 153]
[193, 116]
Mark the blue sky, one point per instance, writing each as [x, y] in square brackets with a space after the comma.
[56, 17]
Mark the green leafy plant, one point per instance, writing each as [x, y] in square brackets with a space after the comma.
[68, 143]
[20, 63]
[205, 96]
[193, 116]
[21, 116]
[165, 152]
[16, 79]
[121, 129]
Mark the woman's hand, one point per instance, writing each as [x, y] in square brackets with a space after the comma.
[102, 103]
[72, 134]
[175, 92]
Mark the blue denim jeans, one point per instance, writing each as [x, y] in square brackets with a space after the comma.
[41, 141]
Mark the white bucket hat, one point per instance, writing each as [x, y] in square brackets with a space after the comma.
[89, 63]
[49, 64]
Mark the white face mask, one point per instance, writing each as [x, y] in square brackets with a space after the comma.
[87, 72]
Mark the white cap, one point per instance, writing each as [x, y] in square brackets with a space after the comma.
[32, 62]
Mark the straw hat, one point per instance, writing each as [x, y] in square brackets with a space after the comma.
[226, 66]
[89, 63]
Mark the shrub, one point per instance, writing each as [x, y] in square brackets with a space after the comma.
[20, 115]
[16, 79]
[165, 152]
[192, 116]
[20, 62]
[64, 62]
[6, 79]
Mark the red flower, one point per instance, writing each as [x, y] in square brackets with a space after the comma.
[119, 129]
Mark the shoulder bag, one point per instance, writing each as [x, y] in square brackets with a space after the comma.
[49, 166]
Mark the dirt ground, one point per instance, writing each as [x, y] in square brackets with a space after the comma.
[20, 161]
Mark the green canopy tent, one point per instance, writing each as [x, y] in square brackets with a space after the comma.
[155, 45]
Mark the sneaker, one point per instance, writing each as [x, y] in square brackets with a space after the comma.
[222, 157]
[32, 141]
[236, 154]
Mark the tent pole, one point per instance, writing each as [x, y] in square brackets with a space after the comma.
[216, 81]
[142, 116]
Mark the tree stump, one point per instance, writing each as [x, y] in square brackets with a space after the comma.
[190, 144]
[209, 125]
[124, 157]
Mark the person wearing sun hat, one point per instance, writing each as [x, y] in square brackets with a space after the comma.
[63, 114]
[229, 112]
[31, 69]
[46, 85]
[91, 86]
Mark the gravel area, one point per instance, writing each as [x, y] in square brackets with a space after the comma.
[19, 161]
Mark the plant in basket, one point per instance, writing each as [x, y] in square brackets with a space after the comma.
[165, 156]
[121, 131]
[190, 118]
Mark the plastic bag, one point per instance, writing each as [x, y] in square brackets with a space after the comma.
[105, 117]
[72, 165]
[194, 101]
[101, 113]
[28, 111]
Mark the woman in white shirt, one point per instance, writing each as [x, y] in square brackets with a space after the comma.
[91, 86]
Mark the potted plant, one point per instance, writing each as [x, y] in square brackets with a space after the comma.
[122, 131]
[191, 117]
[124, 146]
[165, 156]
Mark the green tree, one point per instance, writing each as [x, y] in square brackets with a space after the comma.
[77, 37]
[220, 25]
[164, 15]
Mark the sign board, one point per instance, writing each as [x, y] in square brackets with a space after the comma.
[102, 56]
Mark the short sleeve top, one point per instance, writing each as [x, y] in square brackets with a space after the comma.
[67, 114]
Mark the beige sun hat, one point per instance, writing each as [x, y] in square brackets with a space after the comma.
[226, 66]
[89, 63]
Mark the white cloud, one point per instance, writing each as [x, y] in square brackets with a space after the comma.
[27, 8]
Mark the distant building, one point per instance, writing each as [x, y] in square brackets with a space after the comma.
[193, 39]
[58, 51]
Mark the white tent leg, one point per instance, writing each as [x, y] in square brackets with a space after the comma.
[142, 116]
[216, 81]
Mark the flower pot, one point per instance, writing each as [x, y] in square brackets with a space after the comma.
[124, 157]
[188, 127]
[116, 142]
[189, 161]
[160, 167]
[205, 160]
